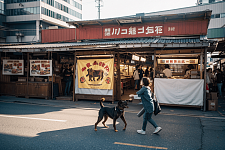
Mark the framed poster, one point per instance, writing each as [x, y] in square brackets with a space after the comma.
[40, 67]
[13, 67]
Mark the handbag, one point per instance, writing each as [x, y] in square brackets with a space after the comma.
[157, 107]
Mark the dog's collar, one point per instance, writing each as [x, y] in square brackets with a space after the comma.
[116, 108]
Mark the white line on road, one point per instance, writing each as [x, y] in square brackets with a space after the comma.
[9, 116]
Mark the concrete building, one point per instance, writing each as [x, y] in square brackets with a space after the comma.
[216, 27]
[24, 19]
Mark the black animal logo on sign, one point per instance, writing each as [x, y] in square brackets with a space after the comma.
[94, 73]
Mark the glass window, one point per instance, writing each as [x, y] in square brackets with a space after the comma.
[38, 10]
[28, 10]
[222, 15]
[42, 10]
[15, 12]
[32, 10]
[217, 15]
[35, 10]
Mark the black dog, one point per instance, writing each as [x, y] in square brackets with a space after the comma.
[114, 113]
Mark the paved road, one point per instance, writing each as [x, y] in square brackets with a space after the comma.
[41, 124]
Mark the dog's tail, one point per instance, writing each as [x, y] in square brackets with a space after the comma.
[102, 100]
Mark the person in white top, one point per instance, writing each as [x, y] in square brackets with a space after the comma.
[136, 78]
[167, 71]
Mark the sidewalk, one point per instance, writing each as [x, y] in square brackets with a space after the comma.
[133, 106]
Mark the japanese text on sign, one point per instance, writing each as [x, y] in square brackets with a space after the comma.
[102, 64]
[133, 30]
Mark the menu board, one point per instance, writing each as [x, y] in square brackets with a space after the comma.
[177, 61]
[13, 67]
[40, 67]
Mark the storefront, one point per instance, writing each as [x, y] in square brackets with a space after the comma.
[121, 38]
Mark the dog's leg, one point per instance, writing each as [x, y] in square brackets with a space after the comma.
[114, 124]
[99, 119]
[122, 117]
[105, 119]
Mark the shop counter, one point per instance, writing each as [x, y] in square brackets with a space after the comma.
[179, 91]
[7, 88]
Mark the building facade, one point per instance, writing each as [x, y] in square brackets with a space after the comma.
[25, 19]
[216, 27]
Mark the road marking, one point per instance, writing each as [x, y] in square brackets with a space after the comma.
[9, 116]
[183, 115]
[145, 146]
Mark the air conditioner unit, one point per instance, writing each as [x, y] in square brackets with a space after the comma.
[53, 27]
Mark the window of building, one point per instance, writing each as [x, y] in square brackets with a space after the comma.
[222, 15]
[217, 15]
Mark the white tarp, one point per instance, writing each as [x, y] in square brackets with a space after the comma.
[179, 91]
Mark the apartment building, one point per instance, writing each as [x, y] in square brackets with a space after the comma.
[24, 19]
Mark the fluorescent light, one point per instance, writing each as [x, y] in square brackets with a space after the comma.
[143, 59]
[134, 57]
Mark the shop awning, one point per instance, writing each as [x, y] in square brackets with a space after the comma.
[142, 19]
[112, 44]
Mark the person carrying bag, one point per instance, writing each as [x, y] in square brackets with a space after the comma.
[148, 103]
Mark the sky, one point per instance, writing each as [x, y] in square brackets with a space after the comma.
[120, 8]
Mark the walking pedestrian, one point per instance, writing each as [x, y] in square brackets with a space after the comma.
[147, 101]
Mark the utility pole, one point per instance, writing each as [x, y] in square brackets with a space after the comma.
[98, 6]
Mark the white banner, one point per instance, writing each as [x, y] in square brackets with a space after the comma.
[179, 91]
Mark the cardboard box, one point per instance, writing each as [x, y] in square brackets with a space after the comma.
[212, 105]
[208, 96]
[211, 96]
[214, 95]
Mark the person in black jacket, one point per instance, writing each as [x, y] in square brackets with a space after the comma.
[219, 81]
[68, 79]
[147, 72]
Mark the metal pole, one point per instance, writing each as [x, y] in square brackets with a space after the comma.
[201, 63]
[154, 64]
[74, 76]
[204, 91]
[118, 77]
[52, 77]
[28, 70]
